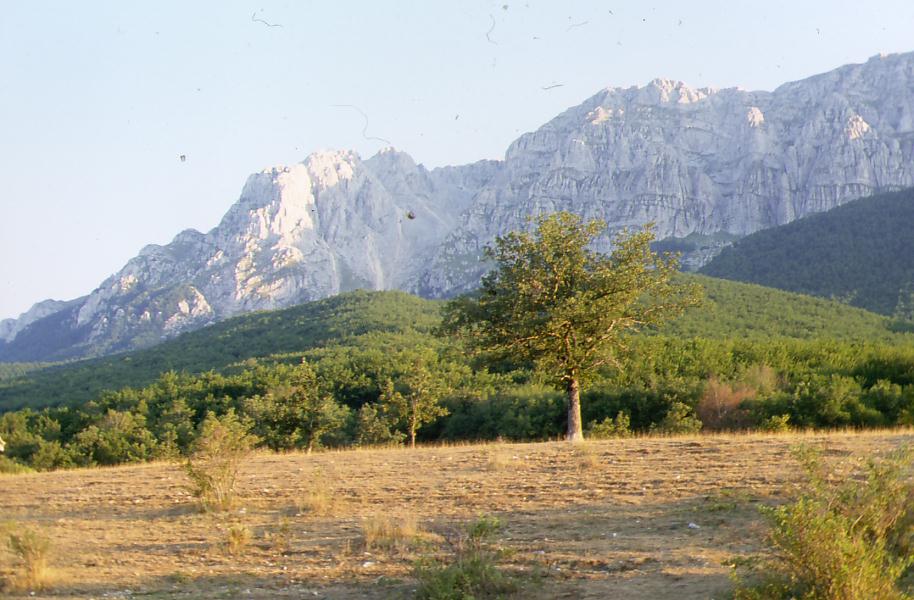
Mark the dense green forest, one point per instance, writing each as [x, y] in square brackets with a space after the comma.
[730, 310]
[860, 253]
[343, 371]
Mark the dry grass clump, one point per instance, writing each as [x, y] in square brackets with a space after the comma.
[32, 549]
[390, 533]
[237, 538]
[280, 539]
[498, 460]
[320, 498]
[587, 457]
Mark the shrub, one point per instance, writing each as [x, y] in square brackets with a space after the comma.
[11, 467]
[679, 420]
[217, 454]
[586, 457]
[776, 424]
[721, 406]
[373, 428]
[498, 460]
[844, 538]
[620, 427]
[281, 538]
[32, 549]
[472, 572]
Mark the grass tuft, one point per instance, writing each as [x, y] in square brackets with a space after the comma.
[32, 549]
[390, 533]
[472, 569]
[237, 538]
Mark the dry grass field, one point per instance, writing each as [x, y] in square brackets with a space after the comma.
[644, 518]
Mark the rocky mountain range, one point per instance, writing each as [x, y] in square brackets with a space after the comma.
[711, 165]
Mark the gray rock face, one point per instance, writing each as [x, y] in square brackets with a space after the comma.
[297, 233]
[716, 163]
[10, 328]
[699, 161]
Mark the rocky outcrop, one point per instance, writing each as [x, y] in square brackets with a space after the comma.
[704, 164]
[330, 224]
[699, 161]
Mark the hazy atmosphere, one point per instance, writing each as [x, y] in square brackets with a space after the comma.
[433, 301]
[101, 100]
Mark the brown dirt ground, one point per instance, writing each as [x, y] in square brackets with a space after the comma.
[608, 519]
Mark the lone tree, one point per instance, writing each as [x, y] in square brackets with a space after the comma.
[415, 398]
[552, 300]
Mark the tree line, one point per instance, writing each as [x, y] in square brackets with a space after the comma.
[551, 342]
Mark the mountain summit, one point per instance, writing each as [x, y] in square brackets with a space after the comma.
[716, 164]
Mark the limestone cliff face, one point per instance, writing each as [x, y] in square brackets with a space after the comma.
[332, 223]
[715, 163]
[699, 161]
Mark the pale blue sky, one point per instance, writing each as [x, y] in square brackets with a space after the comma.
[99, 99]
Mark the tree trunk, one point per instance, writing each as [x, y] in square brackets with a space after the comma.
[413, 422]
[575, 429]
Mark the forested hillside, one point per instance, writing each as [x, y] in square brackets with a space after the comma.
[861, 253]
[340, 372]
[730, 310]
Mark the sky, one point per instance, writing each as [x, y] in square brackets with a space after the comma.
[99, 100]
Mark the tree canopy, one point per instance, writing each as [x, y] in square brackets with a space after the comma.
[552, 300]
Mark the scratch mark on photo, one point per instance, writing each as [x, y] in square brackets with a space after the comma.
[364, 127]
[489, 32]
[256, 19]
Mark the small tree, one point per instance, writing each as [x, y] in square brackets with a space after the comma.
[552, 300]
[297, 413]
[414, 399]
[373, 427]
[217, 454]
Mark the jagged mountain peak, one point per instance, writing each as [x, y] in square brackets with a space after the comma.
[711, 164]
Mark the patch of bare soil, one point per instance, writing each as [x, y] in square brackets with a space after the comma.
[645, 518]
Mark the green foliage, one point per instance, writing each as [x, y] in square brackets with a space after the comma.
[843, 538]
[859, 379]
[471, 572]
[679, 420]
[555, 302]
[415, 399]
[812, 256]
[776, 424]
[118, 437]
[523, 412]
[744, 310]
[223, 444]
[296, 413]
[618, 427]
[224, 346]
[11, 467]
[373, 428]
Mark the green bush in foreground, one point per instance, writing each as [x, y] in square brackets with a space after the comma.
[213, 466]
[620, 427]
[845, 537]
[473, 572]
